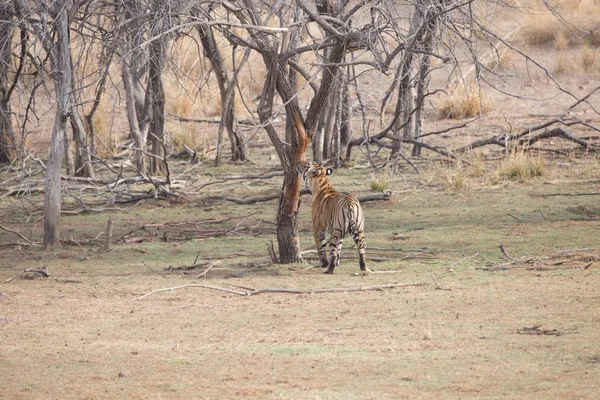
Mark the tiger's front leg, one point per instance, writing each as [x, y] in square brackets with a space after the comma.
[322, 248]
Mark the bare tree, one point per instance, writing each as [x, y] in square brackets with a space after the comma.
[227, 84]
[340, 39]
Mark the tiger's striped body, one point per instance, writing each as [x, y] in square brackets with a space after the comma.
[336, 213]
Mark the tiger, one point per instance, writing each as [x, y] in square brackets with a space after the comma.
[336, 213]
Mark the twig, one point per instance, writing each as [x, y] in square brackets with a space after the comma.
[248, 177]
[252, 292]
[437, 287]
[451, 269]
[210, 266]
[271, 251]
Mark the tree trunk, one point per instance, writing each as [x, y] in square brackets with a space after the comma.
[288, 238]
[139, 138]
[60, 58]
[157, 103]
[83, 159]
[346, 115]
[69, 159]
[426, 44]
[7, 139]
[134, 68]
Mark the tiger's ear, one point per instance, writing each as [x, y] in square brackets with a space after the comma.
[328, 171]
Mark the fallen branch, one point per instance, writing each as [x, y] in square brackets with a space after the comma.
[31, 273]
[535, 330]
[16, 233]
[252, 200]
[252, 292]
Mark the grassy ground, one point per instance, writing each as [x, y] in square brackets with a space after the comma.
[81, 333]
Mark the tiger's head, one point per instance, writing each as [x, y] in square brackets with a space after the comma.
[313, 173]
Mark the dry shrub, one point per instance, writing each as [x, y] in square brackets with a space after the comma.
[541, 27]
[464, 104]
[588, 58]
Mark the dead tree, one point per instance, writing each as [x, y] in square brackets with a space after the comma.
[227, 86]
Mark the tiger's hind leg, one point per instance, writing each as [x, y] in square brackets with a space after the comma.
[361, 244]
[335, 248]
[321, 243]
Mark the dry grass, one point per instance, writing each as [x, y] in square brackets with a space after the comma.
[464, 103]
[456, 179]
[521, 166]
[565, 65]
[193, 342]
